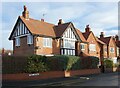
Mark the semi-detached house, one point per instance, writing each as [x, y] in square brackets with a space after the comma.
[32, 36]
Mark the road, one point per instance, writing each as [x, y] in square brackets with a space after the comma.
[103, 79]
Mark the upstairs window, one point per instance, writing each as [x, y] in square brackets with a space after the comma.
[29, 39]
[111, 49]
[47, 42]
[17, 41]
[92, 47]
[82, 46]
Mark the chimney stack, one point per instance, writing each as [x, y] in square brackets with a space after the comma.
[42, 20]
[102, 35]
[87, 29]
[60, 22]
[116, 38]
[25, 13]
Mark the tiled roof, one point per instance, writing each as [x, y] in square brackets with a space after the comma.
[118, 43]
[106, 40]
[86, 34]
[99, 41]
[81, 35]
[59, 30]
[36, 27]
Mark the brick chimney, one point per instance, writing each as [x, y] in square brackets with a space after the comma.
[25, 13]
[116, 38]
[60, 22]
[42, 20]
[102, 35]
[87, 29]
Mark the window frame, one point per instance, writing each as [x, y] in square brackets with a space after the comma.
[29, 39]
[47, 42]
[17, 41]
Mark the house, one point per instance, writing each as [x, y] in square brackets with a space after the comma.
[93, 46]
[32, 36]
[111, 46]
[117, 41]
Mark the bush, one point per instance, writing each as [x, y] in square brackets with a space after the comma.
[95, 61]
[63, 62]
[108, 63]
[89, 62]
[36, 63]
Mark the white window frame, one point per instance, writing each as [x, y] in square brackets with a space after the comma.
[29, 39]
[92, 47]
[47, 42]
[17, 41]
[111, 49]
[82, 48]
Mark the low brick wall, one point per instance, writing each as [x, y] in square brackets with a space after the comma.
[48, 75]
[111, 69]
[25, 76]
[82, 72]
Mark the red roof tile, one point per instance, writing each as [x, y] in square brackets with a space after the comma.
[81, 35]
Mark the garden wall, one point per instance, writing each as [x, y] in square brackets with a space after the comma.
[51, 74]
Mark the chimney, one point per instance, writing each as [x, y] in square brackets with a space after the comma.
[42, 20]
[116, 38]
[87, 29]
[60, 22]
[102, 35]
[25, 13]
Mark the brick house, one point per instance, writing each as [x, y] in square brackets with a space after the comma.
[117, 41]
[32, 36]
[110, 50]
[93, 46]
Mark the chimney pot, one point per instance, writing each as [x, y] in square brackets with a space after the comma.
[116, 38]
[42, 20]
[60, 21]
[87, 29]
[102, 35]
[25, 13]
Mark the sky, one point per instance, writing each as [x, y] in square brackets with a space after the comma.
[101, 16]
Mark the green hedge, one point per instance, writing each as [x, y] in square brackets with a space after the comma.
[37, 63]
[108, 63]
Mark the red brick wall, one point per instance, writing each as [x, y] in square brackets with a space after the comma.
[55, 49]
[112, 44]
[24, 49]
[92, 40]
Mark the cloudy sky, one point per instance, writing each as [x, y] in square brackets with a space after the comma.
[101, 16]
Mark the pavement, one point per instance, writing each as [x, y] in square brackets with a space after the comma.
[110, 80]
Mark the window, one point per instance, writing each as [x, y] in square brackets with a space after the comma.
[105, 49]
[17, 41]
[69, 43]
[47, 42]
[111, 49]
[82, 46]
[29, 39]
[92, 47]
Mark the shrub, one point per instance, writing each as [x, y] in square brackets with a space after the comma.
[36, 63]
[95, 61]
[63, 62]
[108, 63]
[89, 62]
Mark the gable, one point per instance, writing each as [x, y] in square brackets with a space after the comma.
[92, 39]
[71, 32]
[19, 30]
[112, 42]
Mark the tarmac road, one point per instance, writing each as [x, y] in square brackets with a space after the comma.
[104, 79]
